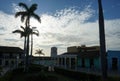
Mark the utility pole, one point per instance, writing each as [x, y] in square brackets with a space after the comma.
[102, 42]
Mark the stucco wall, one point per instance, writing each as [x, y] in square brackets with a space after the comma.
[113, 54]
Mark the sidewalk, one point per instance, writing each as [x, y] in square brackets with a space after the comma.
[98, 72]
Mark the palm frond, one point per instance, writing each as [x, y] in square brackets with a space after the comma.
[17, 31]
[36, 33]
[20, 13]
[22, 28]
[20, 32]
[23, 5]
[36, 17]
[23, 18]
[39, 52]
[33, 7]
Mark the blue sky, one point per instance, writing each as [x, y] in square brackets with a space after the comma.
[111, 7]
[64, 23]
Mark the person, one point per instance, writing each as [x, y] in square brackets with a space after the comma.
[50, 68]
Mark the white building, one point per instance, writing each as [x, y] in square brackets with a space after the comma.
[11, 56]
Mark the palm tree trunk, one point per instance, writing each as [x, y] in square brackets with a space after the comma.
[25, 51]
[27, 54]
[31, 44]
[27, 46]
[102, 42]
[31, 48]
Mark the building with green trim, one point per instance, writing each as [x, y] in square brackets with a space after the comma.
[78, 57]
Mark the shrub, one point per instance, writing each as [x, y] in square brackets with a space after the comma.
[6, 77]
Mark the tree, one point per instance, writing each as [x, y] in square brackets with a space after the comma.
[34, 32]
[23, 33]
[102, 42]
[39, 52]
[26, 15]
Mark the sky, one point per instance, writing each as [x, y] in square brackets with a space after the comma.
[64, 23]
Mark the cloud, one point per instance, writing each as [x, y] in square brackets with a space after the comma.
[67, 27]
[2, 28]
[16, 8]
[13, 40]
[7, 25]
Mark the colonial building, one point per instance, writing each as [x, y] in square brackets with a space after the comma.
[43, 60]
[11, 56]
[80, 57]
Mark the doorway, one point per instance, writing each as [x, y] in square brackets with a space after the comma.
[114, 63]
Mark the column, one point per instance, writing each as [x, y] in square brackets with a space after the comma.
[65, 63]
[75, 62]
[70, 62]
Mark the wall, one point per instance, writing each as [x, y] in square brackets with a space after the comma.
[97, 63]
[113, 54]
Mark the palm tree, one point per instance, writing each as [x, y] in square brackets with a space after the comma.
[23, 33]
[102, 42]
[26, 15]
[34, 32]
[39, 52]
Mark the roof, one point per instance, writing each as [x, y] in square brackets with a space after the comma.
[42, 58]
[70, 53]
[113, 51]
[90, 54]
[82, 48]
[86, 54]
[7, 49]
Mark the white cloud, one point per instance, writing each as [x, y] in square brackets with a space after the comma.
[16, 8]
[64, 28]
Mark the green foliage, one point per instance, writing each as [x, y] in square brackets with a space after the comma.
[35, 74]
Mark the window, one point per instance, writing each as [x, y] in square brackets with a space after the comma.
[1, 55]
[83, 62]
[6, 63]
[11, 55]
[114, 63]
[91, 63]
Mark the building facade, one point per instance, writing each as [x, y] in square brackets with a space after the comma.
[113, 58]
[78, 57]
[82, 58]
[43, 60]
[53, 51]
[11, 56]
